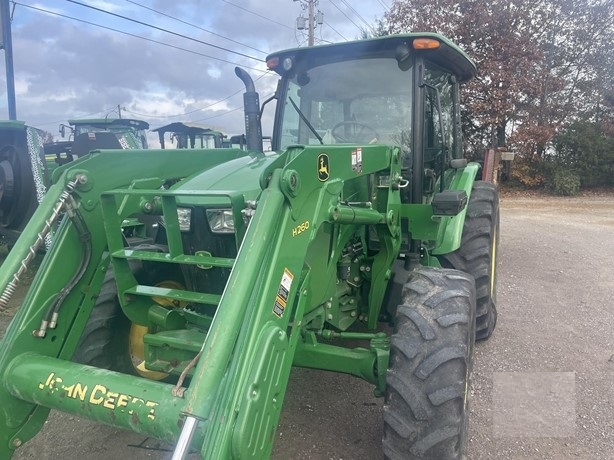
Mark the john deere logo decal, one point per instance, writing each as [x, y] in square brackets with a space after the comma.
[323, 170]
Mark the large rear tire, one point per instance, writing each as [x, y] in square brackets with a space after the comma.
[477, 254]
[426, 407]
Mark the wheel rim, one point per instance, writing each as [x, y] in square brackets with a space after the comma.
[493, 263]
[137, 333]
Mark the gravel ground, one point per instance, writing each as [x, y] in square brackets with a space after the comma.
[555, 334]
[542, 386]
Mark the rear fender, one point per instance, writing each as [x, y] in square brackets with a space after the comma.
[443, 232]
[450, 229]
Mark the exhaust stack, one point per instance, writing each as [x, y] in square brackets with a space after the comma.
[251, 108]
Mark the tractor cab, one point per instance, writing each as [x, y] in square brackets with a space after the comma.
[400, 90]
[194, 136]
[87, 134]
[130, 133]
[191, 135]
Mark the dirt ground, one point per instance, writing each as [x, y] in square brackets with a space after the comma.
[542, 385]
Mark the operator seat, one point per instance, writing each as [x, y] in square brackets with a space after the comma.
[86, 142]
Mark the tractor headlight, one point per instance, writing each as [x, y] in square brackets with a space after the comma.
[184, 215]
[221, 220]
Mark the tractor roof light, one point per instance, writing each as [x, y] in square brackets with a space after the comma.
[272, 63]
[425, 44]
[287, 63]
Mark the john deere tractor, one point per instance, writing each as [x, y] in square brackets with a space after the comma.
[22, 176]
[361, 244]
[192, 135]
[27, 165]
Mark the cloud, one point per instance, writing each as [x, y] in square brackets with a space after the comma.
[68, 69]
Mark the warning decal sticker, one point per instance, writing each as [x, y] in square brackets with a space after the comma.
[357, 160]
[282, 293]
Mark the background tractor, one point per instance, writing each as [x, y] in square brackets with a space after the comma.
[27, 165]
[88, 134]
[192, 135]
[361, 244]
[22, 176]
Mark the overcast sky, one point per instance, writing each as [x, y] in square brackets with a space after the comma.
[65, 68]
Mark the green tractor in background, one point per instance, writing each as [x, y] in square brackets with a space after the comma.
[88, 134]
[194, 136]
[364, 216]
[23, 176]
[27, 165]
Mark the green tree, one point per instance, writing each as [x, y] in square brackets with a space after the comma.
[585, 149]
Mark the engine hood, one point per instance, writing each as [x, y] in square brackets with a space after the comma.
[239, 176]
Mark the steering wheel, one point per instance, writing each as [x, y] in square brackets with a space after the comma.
[353, 132]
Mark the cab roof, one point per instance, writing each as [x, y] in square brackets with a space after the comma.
[447, 55]
[188, 128]
[103, 123]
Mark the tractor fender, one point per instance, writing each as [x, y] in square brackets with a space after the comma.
[450, 229]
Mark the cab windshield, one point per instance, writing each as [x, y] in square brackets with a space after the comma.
[139, 136]
[366, 101]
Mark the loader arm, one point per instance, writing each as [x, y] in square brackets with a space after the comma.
[88, 178]
[233, 402]
[238, 387]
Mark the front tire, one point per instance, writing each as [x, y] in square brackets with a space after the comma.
[110, 340]
[426, 407]
[104, 342]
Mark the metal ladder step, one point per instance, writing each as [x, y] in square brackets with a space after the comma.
[175, 294]
[204, 260]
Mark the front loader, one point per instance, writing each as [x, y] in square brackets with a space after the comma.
[362, 244]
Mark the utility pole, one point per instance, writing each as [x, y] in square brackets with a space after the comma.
[311, 25]
[7, 45]
[311, 21]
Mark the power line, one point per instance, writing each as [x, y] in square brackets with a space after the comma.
[81, 116]
[355, 12]
[264, 72]
[386, 7]
[163, 29]
[194, 25]
[347, 17]
[186, 113]
[199, 109]
[259, 15]
[335, 30]
[218, 115]
[137, 36]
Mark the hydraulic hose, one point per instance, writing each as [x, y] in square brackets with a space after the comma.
[8, 292]
[53, 311]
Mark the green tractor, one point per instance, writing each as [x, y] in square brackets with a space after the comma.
[361, 244]
[192, 136]
[27, 165]
[23, 176]
[86, 134]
